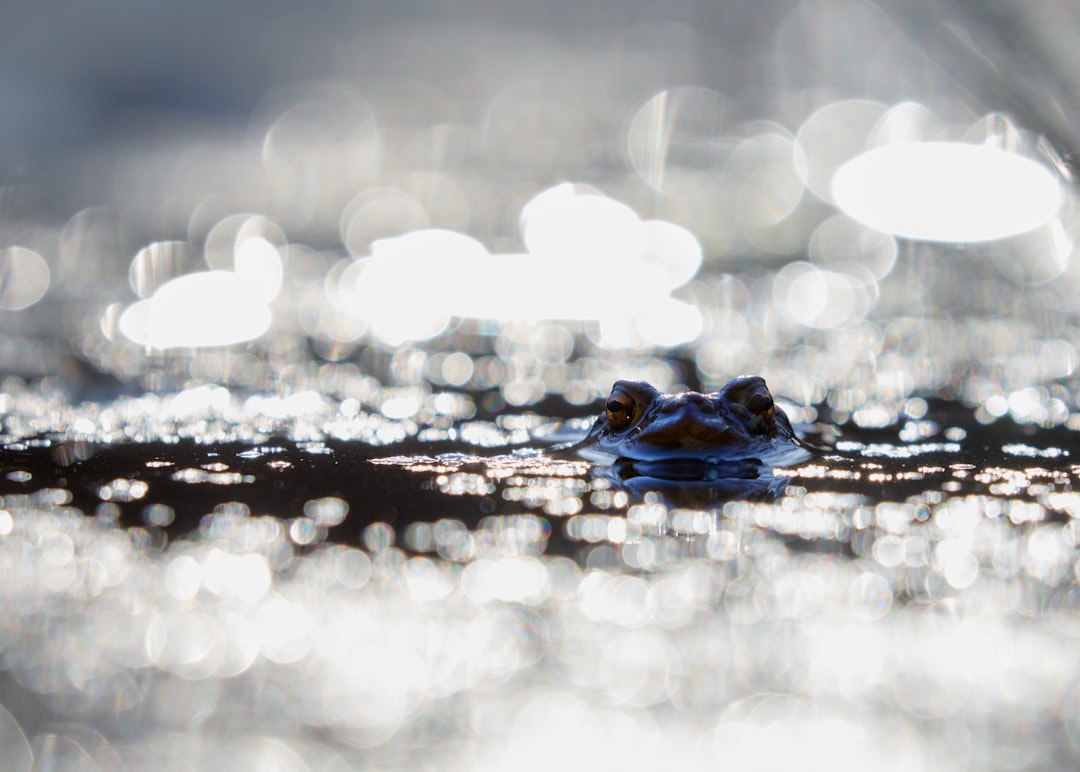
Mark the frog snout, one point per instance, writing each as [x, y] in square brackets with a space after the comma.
[689, 430]
[690, 405]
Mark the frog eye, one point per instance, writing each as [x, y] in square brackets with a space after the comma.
[619, 411]
[761, 404]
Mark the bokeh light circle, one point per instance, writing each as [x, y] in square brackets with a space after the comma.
[24, 278]
[843, 244]
[830, 137]
[947, 191]
[378, 214]
[679, 128]
[769, 187]
[816, 298]
[565, 221]
[229, 234]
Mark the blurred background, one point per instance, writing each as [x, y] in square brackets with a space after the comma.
[245, 247]
[261, 157]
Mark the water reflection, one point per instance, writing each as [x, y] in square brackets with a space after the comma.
[696, 485]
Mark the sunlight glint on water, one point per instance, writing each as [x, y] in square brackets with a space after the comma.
[413, 632]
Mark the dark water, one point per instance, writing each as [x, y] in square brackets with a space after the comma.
[399, 483]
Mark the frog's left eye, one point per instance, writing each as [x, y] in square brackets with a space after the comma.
[619, 411]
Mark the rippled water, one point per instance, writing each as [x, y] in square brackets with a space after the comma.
[229, 587]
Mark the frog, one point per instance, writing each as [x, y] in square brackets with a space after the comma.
[725, 433]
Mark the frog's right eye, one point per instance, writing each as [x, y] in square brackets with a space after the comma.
[761, 403]
[619, 411]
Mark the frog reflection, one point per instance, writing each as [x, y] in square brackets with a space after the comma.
[720, 445]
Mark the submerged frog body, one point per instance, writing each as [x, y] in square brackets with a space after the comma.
[735, 428]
